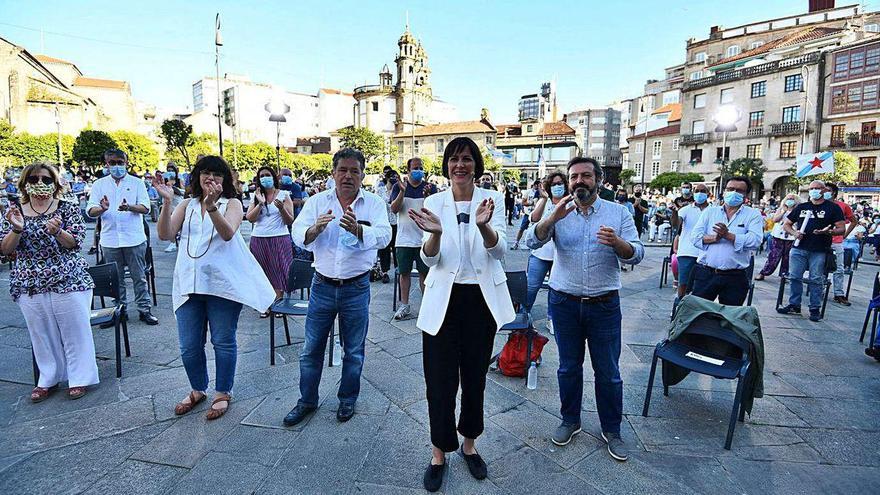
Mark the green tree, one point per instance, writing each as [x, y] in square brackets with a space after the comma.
[142, 153]
[670, 180]
[178, 137]
[753, 168]
[89, 148]
[846, 171]
[6, 130]
[626, 176]
[198, 144]
[371, 144]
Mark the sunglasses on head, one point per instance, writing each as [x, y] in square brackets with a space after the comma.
[33, 179]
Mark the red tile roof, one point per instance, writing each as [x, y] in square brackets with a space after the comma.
[550, 128]
[794, 38]
[51, 60]
[674, 110]
[465, 127]
[99, 83]
[335, 92]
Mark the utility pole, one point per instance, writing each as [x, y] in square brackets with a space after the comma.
[58, 125]
[218, 42]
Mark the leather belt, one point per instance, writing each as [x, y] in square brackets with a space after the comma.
[589, 299]
[732, 271]
[339, 282]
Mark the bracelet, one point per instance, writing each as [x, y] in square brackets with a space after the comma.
[18, 231]
[209, 210]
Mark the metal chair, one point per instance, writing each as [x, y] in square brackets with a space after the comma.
[706, 362]
[872, 311]
[849, 267]
[518, 286]
[149, 265]
[664, 270]
[785, 278]
[299, 277]
[398, 295]
[750, 271]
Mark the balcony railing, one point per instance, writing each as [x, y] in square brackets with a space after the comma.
[755, 132]
[837, 143]
[787, 129]
[867, 176]
[869, 140]
[691, 139]
[757, 70]
[370, 88]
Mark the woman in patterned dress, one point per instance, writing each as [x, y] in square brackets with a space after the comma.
[50, 281]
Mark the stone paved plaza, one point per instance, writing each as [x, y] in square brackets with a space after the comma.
[813, 432]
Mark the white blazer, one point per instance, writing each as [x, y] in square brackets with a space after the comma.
[445, 265]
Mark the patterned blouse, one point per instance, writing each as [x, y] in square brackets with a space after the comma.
[41, 264]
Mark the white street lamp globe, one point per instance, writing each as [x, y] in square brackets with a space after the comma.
[726, 116]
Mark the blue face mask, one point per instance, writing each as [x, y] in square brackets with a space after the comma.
[267, 182]
[168, 175]
[685, 191]
[815, 193]
[700, 197]
[733, 198]
[417, 175]
[827, 195]
[118, 171]
[286, 180]
[557, 190]
[789, 202]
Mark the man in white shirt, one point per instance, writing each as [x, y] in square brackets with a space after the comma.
[685, 220]
[343, 227]
[120, 200]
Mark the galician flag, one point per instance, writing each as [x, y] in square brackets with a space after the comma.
[542, 165]
[815, 164]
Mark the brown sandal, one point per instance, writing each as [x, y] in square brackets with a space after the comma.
[216, 413]
[74, 393]
[182, 407]
[39, 394]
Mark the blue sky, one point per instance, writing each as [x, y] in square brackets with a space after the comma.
[481, 53]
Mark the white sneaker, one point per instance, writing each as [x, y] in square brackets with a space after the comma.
[402, 312]
[171, 248]
[550, 327]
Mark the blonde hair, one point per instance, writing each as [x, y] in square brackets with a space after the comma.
[33, 168]
[793, 196]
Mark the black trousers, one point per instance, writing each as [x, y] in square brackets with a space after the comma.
[387, 252]
[462, 348]
[729, 288]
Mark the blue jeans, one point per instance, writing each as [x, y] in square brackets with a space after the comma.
[535, 272]
[351, 302]
[598, 326]
[801, 261]
[193, 318]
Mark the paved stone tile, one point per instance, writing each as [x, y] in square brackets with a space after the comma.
[403, 346]
[759, 478]
[16, 364]
[371, 489]
[137, 477]
[381, 331]
[834, 413]
[58, 403]
[459, 480]
[857, 448]
[74, 467]
[15, 337]
[192, 436]
[526, 471]
[79, 426]
[835, 387]
[398, 453]
[655, 473]
[398, 382]
[222, 473]
[255, 445]
[704, 437]
[11, 397]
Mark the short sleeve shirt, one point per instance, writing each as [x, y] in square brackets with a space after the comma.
[818, 217]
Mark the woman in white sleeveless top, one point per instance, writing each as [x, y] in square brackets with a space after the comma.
[271, 212]
[214, 276]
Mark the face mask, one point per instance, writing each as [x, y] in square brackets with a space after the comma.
[686, 191]
[118, 171]
[661, 209]
[815, 193]
[252, 188]
[39, 190]
[267, 182]
[417, 175]
[827, 195]
[286, 180]
[105, 170]
[621, 199]
[700, 197]
[557, 190]
[487, 185]
[877, 220]
[789, 202]
[733, 198]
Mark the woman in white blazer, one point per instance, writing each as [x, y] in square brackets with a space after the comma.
[465, 302]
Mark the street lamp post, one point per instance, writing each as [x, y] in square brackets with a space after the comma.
[277, 110]
[58, 126]
[725, 121]
[218, 42]
[412, 106]
[805, 81]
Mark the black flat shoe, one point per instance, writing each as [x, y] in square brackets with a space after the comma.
[475, 464]
[433, 479]
[297, 414]
[345, 412]
[148, 318]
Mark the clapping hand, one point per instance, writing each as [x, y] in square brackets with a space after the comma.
[163, 187]
[608, 236]
[211, 194]
[105, 203]
[15, 218]
[124, 205]
[261, 199]
[349, 221]
[324, 219]
[825, 231]
[721, 230]
[426, 220]
[562, 209]
[484, 212]
[53, 226]
[278, 203]
[543, 193]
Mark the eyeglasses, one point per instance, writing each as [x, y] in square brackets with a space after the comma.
[115, 162]
[33, 179]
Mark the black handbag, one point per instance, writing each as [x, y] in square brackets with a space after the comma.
[830, 262]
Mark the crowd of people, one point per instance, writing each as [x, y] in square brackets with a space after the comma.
[581, 233]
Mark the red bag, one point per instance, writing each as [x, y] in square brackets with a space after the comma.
[512, 361]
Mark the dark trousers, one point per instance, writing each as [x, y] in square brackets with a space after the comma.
[462, 347]
[779, 251]
[387, 252]
[730, 288]
[595, 327]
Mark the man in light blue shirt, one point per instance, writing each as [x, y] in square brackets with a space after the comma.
[590, 245]
[727, 237]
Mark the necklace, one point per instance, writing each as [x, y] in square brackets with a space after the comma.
[41, 213]
[189, 236]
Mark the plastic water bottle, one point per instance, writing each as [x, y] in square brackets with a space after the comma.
[337, 352]
[348, 239]
[532, 381]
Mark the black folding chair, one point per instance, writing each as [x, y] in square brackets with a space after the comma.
[664, 270]
[149, 265]
[398, 295]
[99, 254]
[299, 278]
[849, 267]
[786, 278]
[706, 362]
[518, 286]
[872, 313]
[750, 271]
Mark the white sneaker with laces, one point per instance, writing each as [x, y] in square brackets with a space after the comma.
[550, 326]
[171, 248]
[402, 312]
